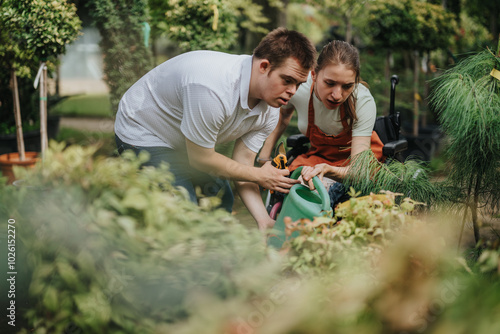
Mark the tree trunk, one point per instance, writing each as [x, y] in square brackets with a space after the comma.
[494, 25]
[17, 116]
[348, 28]
[58, 79]
[416, 70]
[387, 71]
[474, 206]
[426, 89]
[43, 110]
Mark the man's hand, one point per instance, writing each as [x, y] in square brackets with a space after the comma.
[276, 179]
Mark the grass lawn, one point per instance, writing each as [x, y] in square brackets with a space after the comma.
[106, 141]
[84, 106]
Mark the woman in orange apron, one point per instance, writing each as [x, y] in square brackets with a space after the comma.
[335, 111]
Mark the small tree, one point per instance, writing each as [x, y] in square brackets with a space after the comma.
[467, 98]
[41, 29]
[13, 58]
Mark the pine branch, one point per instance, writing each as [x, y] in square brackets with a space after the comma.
[410, 178]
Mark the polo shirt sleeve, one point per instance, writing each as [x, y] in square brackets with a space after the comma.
[203, 115]
[366, 111]
[255, 139]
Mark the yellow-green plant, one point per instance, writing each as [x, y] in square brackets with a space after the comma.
[362, 225]
[45, 27]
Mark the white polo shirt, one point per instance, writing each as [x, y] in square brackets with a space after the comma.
[199, 95]
[329, 120]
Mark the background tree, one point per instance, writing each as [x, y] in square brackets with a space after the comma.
[487, 13]
[348, 10]
[210, 25]
[410, 26]
[36, 30]
[126, 56]
[14, 60]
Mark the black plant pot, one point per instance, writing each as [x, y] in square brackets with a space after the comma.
[8, 143]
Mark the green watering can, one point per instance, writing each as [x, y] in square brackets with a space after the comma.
[300, 202]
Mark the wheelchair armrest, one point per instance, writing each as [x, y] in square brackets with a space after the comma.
[296, 140]
[394, 147]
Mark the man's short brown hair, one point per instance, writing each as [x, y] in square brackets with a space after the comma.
[281, 44]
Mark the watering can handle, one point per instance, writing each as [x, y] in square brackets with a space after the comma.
[323, 194]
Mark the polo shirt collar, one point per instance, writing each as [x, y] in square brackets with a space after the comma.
[246, 73]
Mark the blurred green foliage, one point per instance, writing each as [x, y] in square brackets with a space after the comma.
[102, 242]
[207, 24]
[106, 247]
[126, 57]
[42, 27]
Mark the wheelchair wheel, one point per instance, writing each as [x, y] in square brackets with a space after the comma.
[275, 210]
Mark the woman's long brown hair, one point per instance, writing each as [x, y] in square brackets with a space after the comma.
[336, 53]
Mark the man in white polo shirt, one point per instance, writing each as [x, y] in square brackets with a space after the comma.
[182, 108]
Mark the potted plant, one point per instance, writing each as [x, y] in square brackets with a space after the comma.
[34, 30]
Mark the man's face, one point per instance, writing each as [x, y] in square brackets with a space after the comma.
[334, 84]
[279, 85]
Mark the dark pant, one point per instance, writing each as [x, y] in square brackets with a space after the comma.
[185, 176]
[338, 194]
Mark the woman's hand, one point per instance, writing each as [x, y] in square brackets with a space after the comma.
[308, 172]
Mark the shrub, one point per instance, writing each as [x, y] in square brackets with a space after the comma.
[109, 248]
[114, 249]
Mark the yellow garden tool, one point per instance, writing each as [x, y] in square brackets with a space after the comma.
[279, 160]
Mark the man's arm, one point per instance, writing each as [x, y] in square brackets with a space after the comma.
[211, 162]
[284, 120]
[250, 192]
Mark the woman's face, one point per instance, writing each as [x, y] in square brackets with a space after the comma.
[334, 84]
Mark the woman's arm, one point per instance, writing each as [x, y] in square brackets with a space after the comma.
[270, 143]
[358, 145]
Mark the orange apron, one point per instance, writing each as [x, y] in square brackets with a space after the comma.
[330, 149]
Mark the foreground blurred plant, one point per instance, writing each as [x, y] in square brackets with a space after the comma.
[115, 249]
[111, 248]
[378, 271]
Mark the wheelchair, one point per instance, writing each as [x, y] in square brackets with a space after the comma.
[387, 127]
